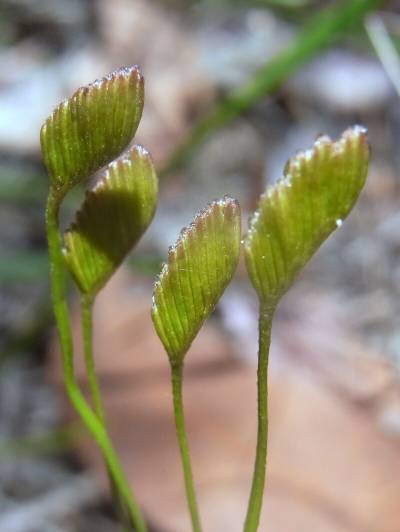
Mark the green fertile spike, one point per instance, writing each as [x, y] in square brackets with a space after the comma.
[111, 220]
[199, 267]
[295, 216]
[93, 127]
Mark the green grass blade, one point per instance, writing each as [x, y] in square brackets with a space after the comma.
[294, 217]
[111, 220]
[199, 267]
[90, 129]
[321, 31]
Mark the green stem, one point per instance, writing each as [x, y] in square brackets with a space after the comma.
[176, 375]
[87, 331]
[321, 31]
[257, 488]
[77, 399]
[95, 394]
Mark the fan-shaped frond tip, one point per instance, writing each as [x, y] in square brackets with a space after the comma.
[199, 267]
[294, 216]
[90, 129]
[113, 217]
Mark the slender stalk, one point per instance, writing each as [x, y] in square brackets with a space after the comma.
[77, 399]
[257, 488]
[95, 394]
[87, 332]
[176, 375]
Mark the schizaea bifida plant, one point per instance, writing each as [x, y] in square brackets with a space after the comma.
[93, 130]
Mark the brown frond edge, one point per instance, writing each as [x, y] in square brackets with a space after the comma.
[112, 218]
[295, 216]
[199, 267]
[90, 129]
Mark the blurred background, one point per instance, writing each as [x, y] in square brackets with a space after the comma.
[295, 68]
